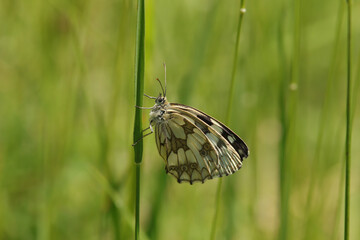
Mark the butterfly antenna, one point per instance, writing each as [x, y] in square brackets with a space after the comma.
[161, 86]
[165, 78]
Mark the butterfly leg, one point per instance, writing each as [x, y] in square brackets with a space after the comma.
[151, 129]
[143, 107]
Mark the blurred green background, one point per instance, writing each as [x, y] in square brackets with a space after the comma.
[67, 110]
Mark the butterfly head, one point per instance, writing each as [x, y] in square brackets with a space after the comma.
[160, 100]
[159, 109]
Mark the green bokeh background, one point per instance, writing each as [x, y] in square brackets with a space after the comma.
[67, 111]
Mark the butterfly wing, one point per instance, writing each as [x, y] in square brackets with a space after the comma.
[230, 148]
[196, 147]
[232, 138]
[188, 155]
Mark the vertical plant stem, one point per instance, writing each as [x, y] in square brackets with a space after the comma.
[242, 11]
[137, 200]
[114, 213]
[139, 90]
[348, 126]
[283, 140]
[282, 116]
[288, 111]
[217, 209]
[235, 60]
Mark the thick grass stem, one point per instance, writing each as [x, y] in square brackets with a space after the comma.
[139, 91]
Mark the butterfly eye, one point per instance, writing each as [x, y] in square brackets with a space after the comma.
[158, 100]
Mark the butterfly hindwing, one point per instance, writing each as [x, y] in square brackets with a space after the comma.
[188, 154]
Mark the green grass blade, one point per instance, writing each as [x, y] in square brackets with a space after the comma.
[288, 102]
[217, 209]
[348, 127]
[235, 61]
[139, 90]
[283, 139]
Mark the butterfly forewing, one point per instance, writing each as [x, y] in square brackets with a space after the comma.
[229, 160]
[219, 127]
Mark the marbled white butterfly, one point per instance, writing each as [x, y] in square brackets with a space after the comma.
[195, 146]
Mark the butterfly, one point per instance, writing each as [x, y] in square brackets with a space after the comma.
[195, 146]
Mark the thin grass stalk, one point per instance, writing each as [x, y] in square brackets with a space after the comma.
[348, 127]
[137, 200]
[217, 209]
[334, 226]
[337, 216]
[235, 60]
[288, 120]
[242, 11]
[139, 91]
[282, 112]
[283, 139]
[282, 163]
[115, 218]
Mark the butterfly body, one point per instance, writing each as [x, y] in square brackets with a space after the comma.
[195, 146]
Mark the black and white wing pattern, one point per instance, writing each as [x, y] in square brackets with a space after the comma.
[195, 146]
